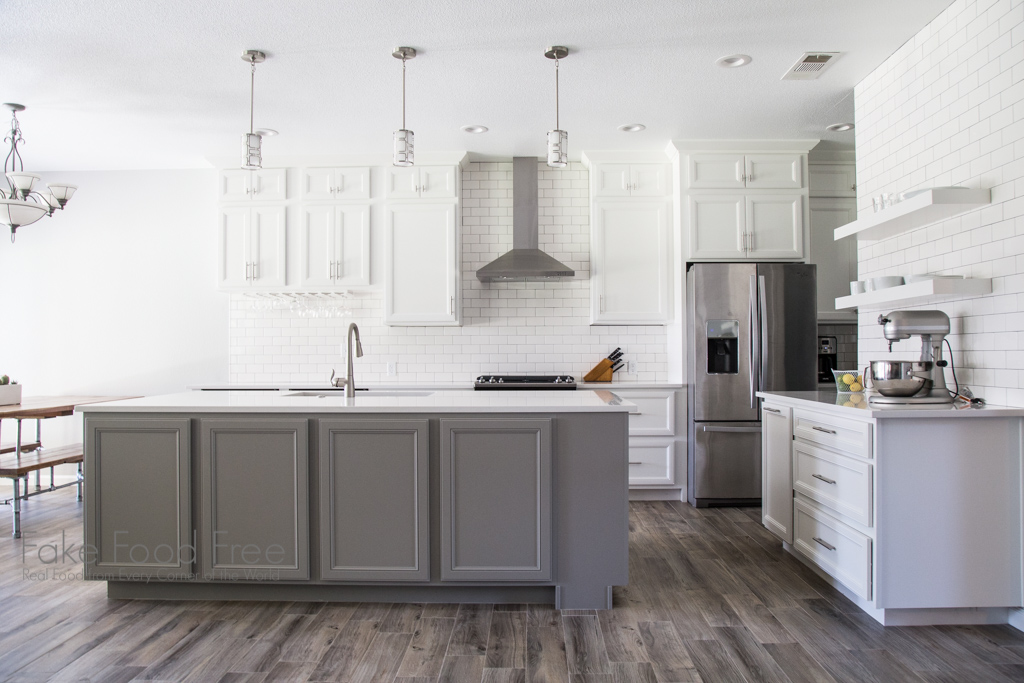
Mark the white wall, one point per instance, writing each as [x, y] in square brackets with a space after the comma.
[947, 108]
[517, 327]
[116, 294]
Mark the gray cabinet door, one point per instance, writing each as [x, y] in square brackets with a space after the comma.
[255, 499]
[138, 520]
[374, 500]
[496, 499]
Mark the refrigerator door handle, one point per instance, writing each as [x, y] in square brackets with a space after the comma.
[762, 317]
[754, 359]
[744, 430]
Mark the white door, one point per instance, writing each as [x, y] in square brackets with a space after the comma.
[836, 260]
[437, 182]
[777, 469]
[352, 183]
[775, 226]
[774, 171]
[716, 226]
[269, 185]
[319, 255]
[833, 180]
[715, 171]
[420, 277]
[352, 245]
[318, 184]
[233, 262]
[649, 180]
[403, 182]
[235, 185]
[267, 246]
[631, 263]
[611, 180]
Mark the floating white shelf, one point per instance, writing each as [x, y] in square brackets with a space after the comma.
[916, 293]
[924, 209]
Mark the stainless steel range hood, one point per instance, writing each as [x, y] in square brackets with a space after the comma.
[526, 261]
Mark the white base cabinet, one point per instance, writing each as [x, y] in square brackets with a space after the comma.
[657, 443]
[916, 519]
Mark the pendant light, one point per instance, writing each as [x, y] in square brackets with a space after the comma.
[252, 142]
[20, 203]
[404, 145]
[558, 140]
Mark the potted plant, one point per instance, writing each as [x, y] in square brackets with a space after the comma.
[10, 392]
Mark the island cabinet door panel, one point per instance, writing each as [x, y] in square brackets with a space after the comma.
[254, 476]
[138, 510]
[496, 499]
[374, 500]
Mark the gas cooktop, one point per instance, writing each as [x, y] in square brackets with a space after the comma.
[563, 382]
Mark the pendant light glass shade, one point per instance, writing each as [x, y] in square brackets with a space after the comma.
[16, 213]
[405, 147]
[23, 182]
[62, 193]
[558, 149]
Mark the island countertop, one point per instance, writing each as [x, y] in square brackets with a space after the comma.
[858, 406]
[465, 401]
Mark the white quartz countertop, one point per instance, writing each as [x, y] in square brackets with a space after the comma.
[436, 386]
[419, 401]
[858, 406]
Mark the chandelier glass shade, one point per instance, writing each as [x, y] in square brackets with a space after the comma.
[21, 203]
[405, 148]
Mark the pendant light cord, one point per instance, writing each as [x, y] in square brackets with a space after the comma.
[403, 92]
[557, 127]
[252, 91]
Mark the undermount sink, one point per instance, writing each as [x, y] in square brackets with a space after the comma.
[335, 393]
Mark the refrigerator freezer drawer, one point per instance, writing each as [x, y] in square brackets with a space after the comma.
[725, 462]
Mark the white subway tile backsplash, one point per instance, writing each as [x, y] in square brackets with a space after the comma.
[523, 327]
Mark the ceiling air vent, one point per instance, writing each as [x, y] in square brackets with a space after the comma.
[810, 66]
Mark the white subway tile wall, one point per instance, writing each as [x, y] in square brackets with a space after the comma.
[947, 108]
[514, 327]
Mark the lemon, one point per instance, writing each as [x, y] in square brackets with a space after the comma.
[855, 387]
[849, 404]
[848, 378]
[860, 380]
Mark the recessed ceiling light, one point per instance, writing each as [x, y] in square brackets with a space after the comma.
[839, 127]
[632, 127]
[475, 129]
[266, 132]
[733, 61]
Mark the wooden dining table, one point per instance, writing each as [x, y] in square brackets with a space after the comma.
[17, 461]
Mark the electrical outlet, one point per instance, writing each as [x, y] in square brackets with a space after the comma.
[392, 368]
[631, 367]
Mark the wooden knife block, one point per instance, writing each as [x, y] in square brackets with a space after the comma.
[602, 372]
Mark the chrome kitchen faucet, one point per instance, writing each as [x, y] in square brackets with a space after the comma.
[350, 386]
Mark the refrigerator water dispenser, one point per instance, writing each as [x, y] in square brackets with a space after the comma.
[723, 346]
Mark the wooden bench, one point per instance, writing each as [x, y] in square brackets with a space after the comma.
[14, 467]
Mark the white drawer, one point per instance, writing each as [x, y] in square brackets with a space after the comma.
[849, 436]
[840, 551]
[652, 462]
[657, 416]
[840, 483]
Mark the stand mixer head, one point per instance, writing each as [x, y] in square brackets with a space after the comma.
[932, 327]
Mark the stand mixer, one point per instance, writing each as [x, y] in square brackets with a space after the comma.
[913, 382]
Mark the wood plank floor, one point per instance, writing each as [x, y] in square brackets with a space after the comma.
[712, 597]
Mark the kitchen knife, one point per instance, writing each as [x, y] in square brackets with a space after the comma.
[615, 355]
[618, 350]
[617, 366]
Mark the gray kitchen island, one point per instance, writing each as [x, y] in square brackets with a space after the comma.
[455, 496]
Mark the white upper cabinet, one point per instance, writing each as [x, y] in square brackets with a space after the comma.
[631, 263]
[836, 259]
[745, 226]
[262, 185]
[745, 171]
[421, 278]
[833, 180]
[251, 247]
[336, 184]
[631, 180]
[335, 249]
[421, 182]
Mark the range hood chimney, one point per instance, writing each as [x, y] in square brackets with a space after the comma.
[526, 261]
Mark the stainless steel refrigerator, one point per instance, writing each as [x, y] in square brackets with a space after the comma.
[750, 327]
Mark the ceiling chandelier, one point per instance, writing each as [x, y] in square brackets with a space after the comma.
[20, 203]
[404, 147]
[252, 154]
[558, 140]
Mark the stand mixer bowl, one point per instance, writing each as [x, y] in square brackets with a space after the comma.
[901, 378]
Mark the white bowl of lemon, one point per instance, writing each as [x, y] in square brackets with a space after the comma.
[848, 381]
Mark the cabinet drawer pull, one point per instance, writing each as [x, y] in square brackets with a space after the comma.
[824, 544]
[824, 479]
[635, 462]
[772, 410]
[822, 429]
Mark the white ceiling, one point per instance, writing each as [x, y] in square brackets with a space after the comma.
[133, 84]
